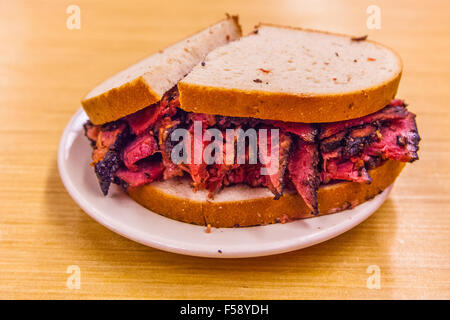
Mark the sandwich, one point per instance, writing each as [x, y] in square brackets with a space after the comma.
[229, 131]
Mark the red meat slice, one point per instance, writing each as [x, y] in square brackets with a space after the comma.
[253, 176]
[208, 120]
[235, 176]
[146, 173]
[170, 169]
[275, 181]
[397, 103]
[142, 147]
[91, 131]
[304, 130]
[348, 170]
[170, 102]
[106, 140]
[336, 153]
[358, 138]
[198, 171]
[390, 112]
[399, 141]
[303, 172]
[144, 119]
[217, 174]
[199, 175]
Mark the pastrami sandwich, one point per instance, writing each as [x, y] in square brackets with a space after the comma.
[316, 110]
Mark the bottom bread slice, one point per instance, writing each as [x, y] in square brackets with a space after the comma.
[242, 206]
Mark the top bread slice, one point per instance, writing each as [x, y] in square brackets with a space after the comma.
[145, 82]
[293, 74]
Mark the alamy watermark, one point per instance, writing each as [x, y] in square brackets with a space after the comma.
[231, 149]
[73, 281]
[73, 21]
[374, 280]
[374, 19]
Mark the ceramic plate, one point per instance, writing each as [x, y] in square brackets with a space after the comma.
[124, 216]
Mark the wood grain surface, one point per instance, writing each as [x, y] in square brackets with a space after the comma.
[45, 69]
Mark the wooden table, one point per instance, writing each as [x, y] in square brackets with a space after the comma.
[45, 69]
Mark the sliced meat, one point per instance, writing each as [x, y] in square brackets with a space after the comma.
[347, 170]
[170, 102]
[106, 154]
[91, 131]
[208, 120]
[371, 162]
[275, 181]
[199, 175]
[108, 138]
[170, 169]
[166, 145]
[235, 176]
[358, 138]
[349, 143]
[389, 112]
[303, 172]
[224, 122]
[336, 153]
[399, 141]
[144, 119]
[363, 131]
[397, 103]
[147, 172]
[348, 154]
[217, 174]
[142, 147]
[126, 151]
[198, 171]
[304, 130]
[106, 169]
[253, 176]
[331, 143]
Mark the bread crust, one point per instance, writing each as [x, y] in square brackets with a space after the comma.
[130, 97]
[259, 211]
[120, 101]
[282, 106]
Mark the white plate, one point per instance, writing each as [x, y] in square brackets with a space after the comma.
[124, 216]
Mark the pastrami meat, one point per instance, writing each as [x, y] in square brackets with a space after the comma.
[135, 150]
[350, 148]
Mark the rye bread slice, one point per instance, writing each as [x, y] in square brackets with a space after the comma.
[292, 74]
